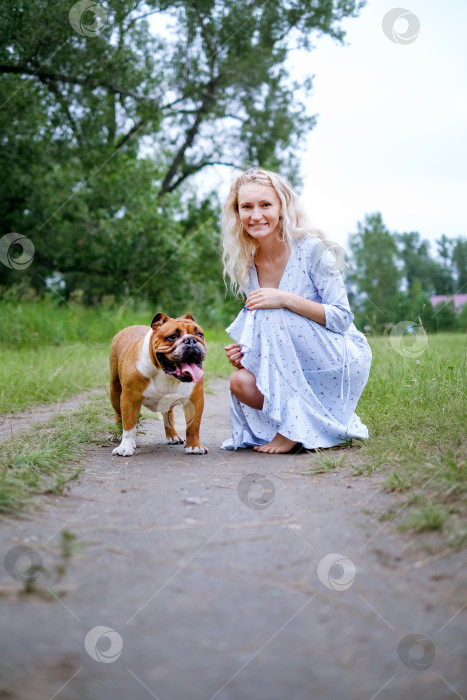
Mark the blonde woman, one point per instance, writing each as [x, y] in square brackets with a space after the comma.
[300, 363]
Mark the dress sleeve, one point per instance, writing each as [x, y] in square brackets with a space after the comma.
[321, 267]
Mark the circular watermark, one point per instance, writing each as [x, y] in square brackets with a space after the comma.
[401, 26]
[16, 262]
[167, 404]
[103, 644]
[23, 563]
[94, 330]
[84, 7]
[336, 572]
[416, 652]
[332, 260]
[408, 339]
[256, 491]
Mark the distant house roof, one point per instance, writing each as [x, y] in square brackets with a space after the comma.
[459, 300]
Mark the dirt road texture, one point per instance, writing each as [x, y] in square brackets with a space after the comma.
[227, 576]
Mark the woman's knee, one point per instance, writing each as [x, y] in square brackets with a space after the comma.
[241, 381]
[237, 381]
[243, 386]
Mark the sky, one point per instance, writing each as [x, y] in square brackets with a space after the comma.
[391, 134]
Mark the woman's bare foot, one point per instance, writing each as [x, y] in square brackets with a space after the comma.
[278, 444]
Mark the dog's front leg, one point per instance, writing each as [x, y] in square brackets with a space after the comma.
[130, 408]
[193, 421]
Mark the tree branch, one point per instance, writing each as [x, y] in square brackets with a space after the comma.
[205, 34]
[74, 127]
[190, 136]
[126, 137]
[89, 82]
[191, 170]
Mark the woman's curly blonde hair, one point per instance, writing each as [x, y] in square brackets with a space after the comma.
[239, 248]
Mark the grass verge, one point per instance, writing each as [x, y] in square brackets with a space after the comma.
[33, 376]
[48, 458]
[414, 406]
[415, 410]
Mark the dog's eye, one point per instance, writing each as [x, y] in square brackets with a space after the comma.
[201, 335]
[174, 336]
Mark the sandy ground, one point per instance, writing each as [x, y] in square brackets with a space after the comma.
[232, 575]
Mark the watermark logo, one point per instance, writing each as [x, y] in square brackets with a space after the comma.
[84, 8]
[416, 652]
[103, 644]
[23, 564]
[408, 339]
[336, 572]
[16, 262]
[96, 331]
[256, 491]
[401, 26]
[332, 259]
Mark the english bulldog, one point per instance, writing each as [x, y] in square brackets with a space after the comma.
[157, 367]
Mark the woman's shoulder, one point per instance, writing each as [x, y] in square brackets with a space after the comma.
[307, 241]
[307, 244]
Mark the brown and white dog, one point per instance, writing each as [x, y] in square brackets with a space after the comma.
[157, 367]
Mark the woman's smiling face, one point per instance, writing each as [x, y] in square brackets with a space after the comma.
[259, 209]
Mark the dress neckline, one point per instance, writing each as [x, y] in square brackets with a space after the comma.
[283, 273]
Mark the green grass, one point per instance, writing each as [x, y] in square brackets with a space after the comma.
[47, 458]
[49, 353]
[48, 374]
[414, 407]
[415, 410]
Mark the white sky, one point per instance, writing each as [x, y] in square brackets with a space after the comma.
[391, 134]
[392, 126]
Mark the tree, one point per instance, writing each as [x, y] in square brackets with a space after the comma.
[218, 82]
[375, 272]
[459, 260]
[419, 266]
[104, 124]
[450, 277]
[445, 246]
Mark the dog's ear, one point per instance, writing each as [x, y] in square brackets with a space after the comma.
[188, 316]
[158, 320]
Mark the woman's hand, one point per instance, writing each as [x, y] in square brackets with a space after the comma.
[234, 355]
[266, 298]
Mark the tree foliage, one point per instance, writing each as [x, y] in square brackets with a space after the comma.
[113, 116]
[111, 110]
[376, 272]
[394, 275]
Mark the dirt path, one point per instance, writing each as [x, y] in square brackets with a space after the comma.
[194, 582]
[12, 424]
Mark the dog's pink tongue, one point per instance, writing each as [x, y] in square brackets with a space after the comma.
[195, 372]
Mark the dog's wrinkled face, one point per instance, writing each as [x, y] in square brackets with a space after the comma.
[178, 346]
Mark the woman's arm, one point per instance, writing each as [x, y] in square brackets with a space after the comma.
[333, 311]
[305, 307]
[271, 298]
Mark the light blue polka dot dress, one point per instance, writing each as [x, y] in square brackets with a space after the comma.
[311, 376]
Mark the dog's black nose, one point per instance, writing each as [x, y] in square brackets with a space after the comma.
[190, 341]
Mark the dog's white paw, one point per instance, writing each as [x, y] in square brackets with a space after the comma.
[201, 450]
[177, 440]
[124, 450]
[127, 445]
